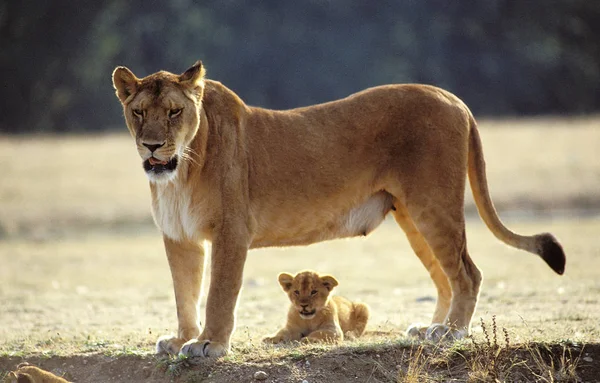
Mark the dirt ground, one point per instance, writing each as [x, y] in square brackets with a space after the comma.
[374, 364]
[85, 288]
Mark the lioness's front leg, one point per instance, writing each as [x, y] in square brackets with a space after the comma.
[228, 258]
[186, 260]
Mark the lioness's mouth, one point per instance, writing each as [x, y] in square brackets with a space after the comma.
[157, 166]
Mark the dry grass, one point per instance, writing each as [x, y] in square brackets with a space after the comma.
[83, 270]
[491, 358]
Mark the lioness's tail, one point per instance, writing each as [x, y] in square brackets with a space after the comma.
[545, 245]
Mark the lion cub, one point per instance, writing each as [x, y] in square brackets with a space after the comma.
[316, 316]
[27, 373]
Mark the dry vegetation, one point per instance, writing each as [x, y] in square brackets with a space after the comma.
[85, 288]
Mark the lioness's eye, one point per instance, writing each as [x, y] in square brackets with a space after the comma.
[138, 112]
[313, 292]
[174, 112]
[297, 292]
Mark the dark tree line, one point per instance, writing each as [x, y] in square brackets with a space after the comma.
[503, 57]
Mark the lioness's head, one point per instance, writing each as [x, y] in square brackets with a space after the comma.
[162, 113]
[308, 291]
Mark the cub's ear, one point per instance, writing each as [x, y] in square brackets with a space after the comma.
[285, 280]
[329, 282]
[21, 378]
[194, 75]
[125, 83]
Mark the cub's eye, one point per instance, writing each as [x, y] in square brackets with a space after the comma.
[175, 112]
[297, 292]
[313, 292]
[138, 112]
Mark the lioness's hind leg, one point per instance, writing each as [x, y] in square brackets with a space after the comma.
[444, 231]
[423, 251]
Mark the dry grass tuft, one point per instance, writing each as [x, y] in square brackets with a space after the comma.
[548, 367]
[418, 364]
[490, 361]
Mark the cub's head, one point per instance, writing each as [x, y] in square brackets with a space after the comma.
[308, 291]
[162, 114]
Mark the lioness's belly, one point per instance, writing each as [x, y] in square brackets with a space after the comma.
[310, 226]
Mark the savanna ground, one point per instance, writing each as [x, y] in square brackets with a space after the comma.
[85, 288]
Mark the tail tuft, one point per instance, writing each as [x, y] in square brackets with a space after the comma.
[551, 251]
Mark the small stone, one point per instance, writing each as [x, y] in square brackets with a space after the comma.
[307, 363]
[588, 359]
[260, 375]
[305, 381]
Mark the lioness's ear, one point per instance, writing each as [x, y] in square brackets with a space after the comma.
[285, 280]
[329, 282]
[125, 83]
[194, 75]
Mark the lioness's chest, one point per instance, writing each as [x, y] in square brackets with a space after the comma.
[175, 212]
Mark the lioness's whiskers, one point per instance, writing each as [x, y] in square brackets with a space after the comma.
[188, 154]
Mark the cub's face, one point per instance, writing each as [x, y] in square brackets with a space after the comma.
[162, 114]
[308, 291]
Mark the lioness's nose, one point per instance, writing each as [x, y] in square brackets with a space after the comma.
[303, 306]
[153, 147]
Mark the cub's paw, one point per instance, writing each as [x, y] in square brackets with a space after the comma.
[438, 332]
[203, 348]
[272, 339]
[169, 344]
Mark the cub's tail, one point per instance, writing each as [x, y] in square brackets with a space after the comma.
[545, 245]
[360, 314]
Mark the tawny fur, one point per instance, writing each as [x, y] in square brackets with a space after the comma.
[26, 373]
[329, 318]
[249, 177]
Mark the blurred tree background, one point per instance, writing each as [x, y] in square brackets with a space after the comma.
[503, 57]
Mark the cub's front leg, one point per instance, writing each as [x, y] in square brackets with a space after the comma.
[186, 260]
[228, 258]
[329, 335]
[283, 335]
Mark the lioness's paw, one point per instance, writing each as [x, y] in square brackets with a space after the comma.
[417, 330]
[203, 348]
[169, 344]
[438, 332]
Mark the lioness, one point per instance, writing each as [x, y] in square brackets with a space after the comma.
[245, 177]
[316, 316]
